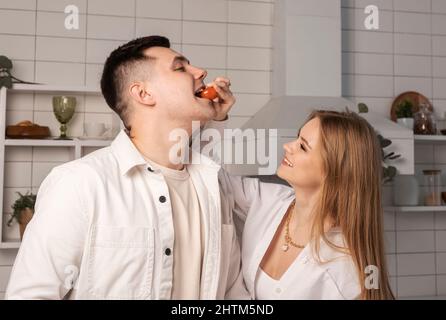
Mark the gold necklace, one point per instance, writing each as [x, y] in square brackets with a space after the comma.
[288, 240]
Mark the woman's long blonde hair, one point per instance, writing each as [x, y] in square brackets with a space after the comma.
[351, 194]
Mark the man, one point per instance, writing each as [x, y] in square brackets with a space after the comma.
[125, 222]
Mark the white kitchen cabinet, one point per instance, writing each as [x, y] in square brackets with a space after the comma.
[76, 144]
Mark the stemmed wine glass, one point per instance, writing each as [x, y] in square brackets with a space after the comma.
[63, 108]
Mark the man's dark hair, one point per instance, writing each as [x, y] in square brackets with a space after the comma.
[119, 69]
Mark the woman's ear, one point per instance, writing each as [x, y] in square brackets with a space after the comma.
[140, 93]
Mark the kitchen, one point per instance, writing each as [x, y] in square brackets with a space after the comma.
[278, 55]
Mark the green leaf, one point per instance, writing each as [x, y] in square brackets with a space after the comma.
[5, 62]
[389, 155]
[362, 107]
[388, 172]
[404, 109]
[385, 143]
[6, 82]
[391, 172]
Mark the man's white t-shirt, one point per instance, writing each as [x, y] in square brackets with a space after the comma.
[188, 249]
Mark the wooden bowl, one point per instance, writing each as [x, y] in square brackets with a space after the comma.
[27, 132]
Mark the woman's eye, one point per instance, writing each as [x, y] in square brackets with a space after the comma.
[302, 147]
[180, 69]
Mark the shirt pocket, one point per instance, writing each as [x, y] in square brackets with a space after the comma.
[120, 262]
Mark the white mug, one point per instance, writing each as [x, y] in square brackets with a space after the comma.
[94, 129]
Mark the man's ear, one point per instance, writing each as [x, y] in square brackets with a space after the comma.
[141, 93]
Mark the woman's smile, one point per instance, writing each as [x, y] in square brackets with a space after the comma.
[287, 162]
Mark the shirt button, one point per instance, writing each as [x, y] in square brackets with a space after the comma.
[278, 290]
[167, 251]
[162, 199]
[150, 169]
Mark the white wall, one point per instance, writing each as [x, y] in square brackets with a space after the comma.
[231, 38]
[407, 53]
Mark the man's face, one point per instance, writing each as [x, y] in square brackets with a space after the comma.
[173, 84]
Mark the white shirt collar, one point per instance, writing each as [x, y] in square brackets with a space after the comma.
[129, 157]
[126, 153]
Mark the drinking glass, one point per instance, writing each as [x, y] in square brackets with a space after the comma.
[63, 108]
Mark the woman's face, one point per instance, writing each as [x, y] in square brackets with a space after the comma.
[302, 165]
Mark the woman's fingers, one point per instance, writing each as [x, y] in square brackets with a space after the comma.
[224, 80]
[223, 90]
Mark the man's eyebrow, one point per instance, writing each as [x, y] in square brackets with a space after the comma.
[180, 59]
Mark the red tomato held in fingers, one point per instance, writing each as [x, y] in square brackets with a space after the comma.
[209, 93]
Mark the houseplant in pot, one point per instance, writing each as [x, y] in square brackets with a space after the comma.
[406, 191]
[23, 211]
[404, 114]
[405, 188]
[388, 171]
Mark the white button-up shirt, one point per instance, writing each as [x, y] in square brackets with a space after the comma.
[103, 229]
[259, 208]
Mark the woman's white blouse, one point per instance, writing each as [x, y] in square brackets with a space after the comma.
[308, 279]
[259, 208]
[264, 283]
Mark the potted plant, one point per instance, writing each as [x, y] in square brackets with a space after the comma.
[23, 211]
[406, 190]
[6, 77]
[388, 171]
[404, 114]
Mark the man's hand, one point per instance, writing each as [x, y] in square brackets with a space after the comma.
[225, 99]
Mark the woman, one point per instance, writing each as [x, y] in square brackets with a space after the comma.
[322, 238]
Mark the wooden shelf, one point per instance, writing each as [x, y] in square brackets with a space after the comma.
[416, 208]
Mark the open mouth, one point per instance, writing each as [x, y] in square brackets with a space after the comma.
[206, 93]
[199, 91]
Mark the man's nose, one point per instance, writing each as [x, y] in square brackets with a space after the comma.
[199, 74]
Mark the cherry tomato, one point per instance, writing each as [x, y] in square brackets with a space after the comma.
[209, 93]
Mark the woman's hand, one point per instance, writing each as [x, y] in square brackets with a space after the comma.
[225, 100]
